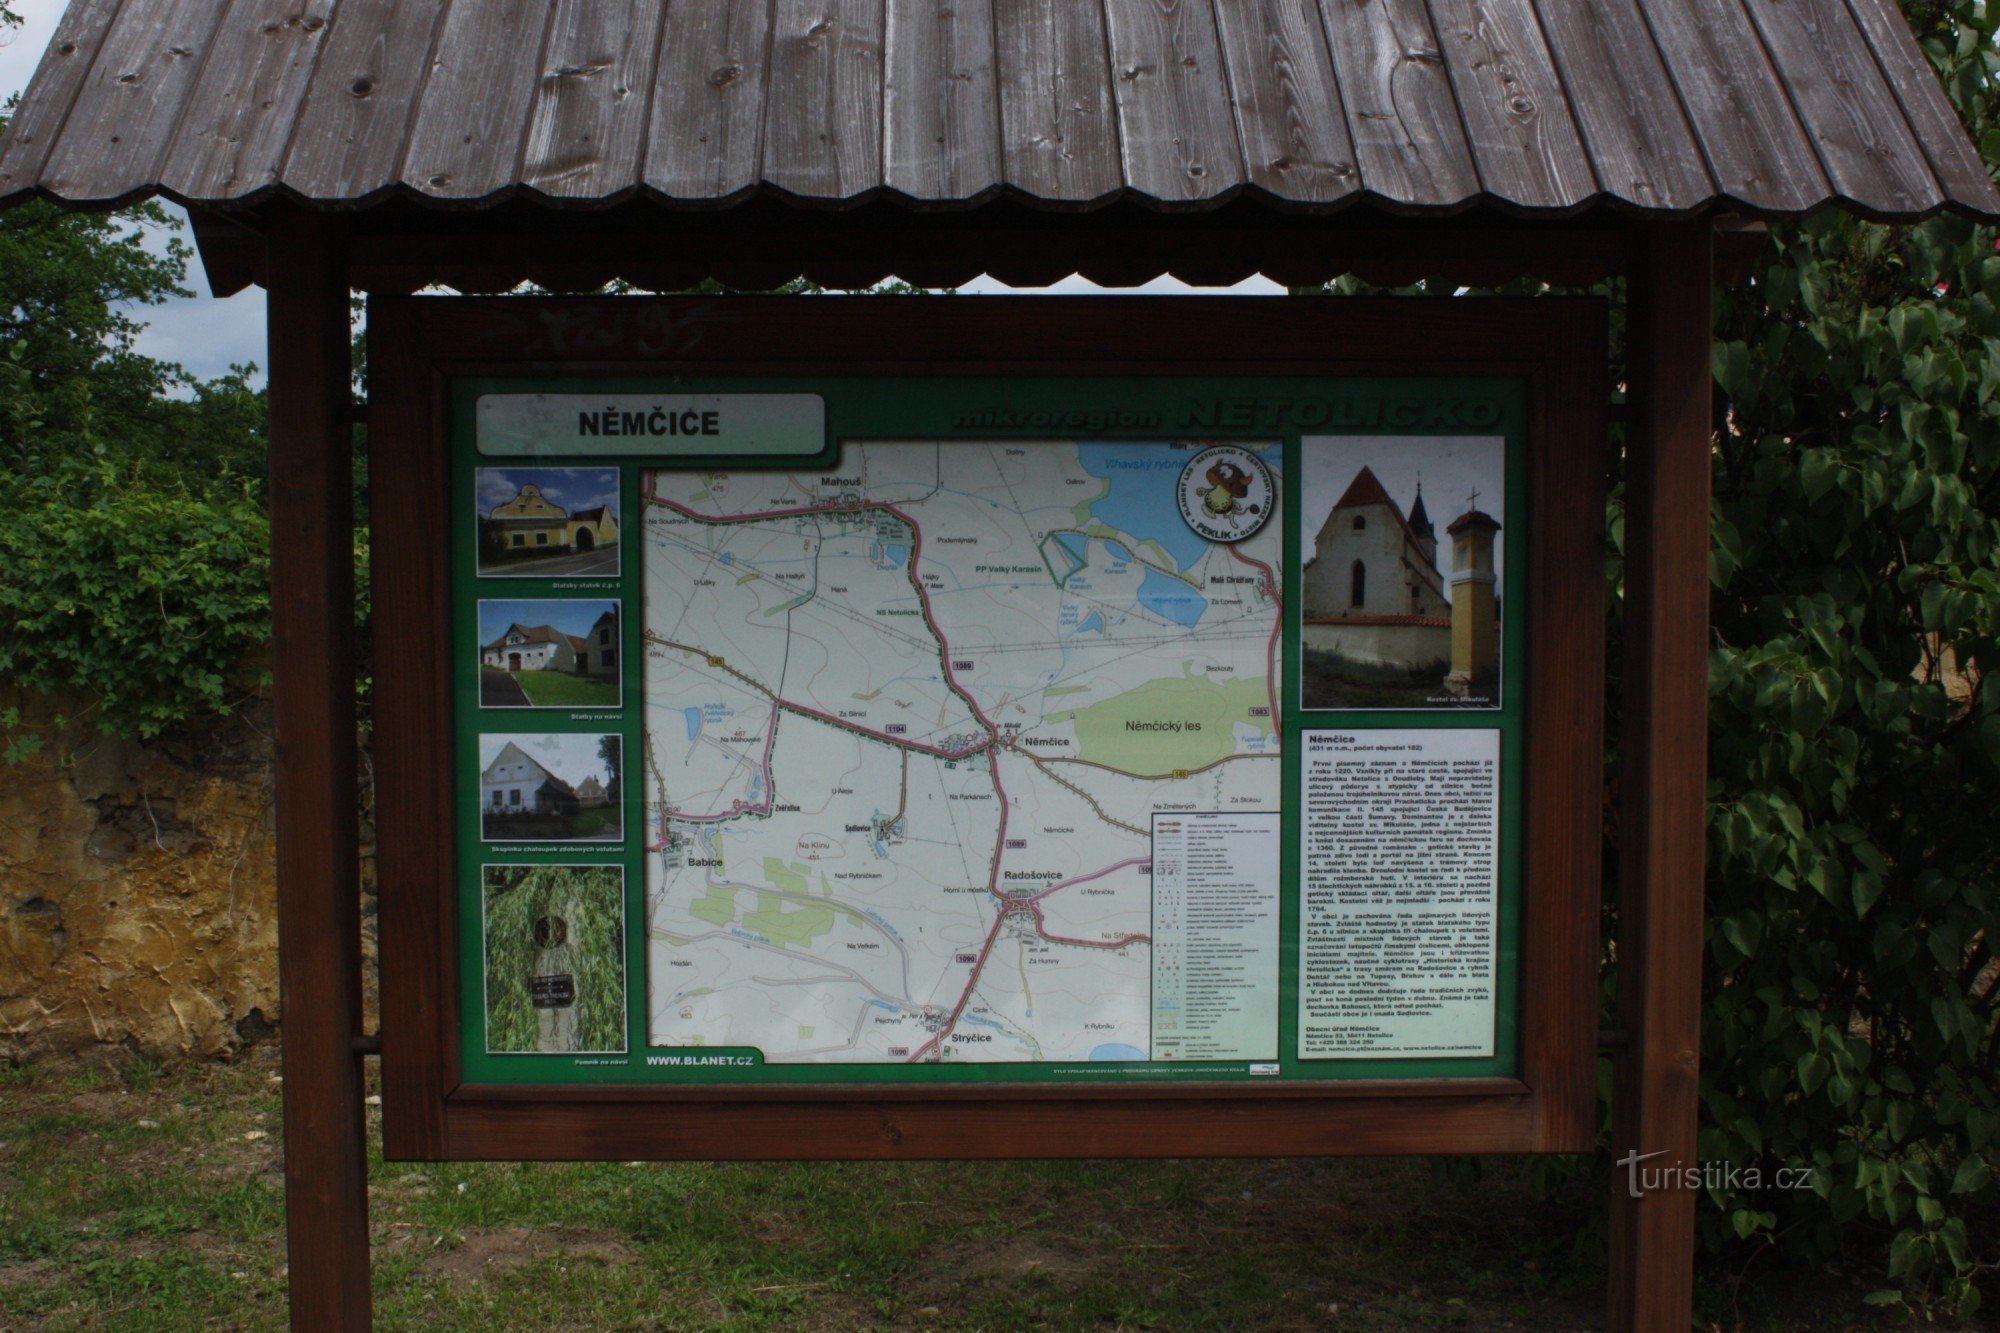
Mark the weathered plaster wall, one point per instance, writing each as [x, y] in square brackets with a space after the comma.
[137, 899]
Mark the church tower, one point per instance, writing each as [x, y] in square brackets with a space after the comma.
[1475, 621]
[1420, 526]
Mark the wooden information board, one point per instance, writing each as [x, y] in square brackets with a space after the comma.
[826, 728]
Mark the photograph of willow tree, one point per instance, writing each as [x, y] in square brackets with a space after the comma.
[555, 959]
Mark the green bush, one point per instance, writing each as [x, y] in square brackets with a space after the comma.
[1852, 994]
[145, 599]
[1854, 871]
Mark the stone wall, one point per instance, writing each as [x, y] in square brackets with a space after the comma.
[137, 898]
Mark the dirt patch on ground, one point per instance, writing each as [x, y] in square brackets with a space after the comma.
[1026, 1259]
[484, 1253]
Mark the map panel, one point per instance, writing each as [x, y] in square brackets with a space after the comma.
[907, 725]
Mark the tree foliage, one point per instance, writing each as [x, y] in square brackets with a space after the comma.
[134, 541]
[1854, 870]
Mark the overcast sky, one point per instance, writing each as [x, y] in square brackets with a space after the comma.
[208, 336]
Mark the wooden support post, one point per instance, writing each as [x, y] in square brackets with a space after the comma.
[319, 896]
[1665, 744]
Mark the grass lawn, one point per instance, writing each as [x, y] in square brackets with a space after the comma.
[602, 822]
[146, 1199]
[560, 689]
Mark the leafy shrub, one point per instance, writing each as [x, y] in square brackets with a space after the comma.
[1854, 872]
[146, 598]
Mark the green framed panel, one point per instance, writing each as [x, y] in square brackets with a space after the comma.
[580, 859]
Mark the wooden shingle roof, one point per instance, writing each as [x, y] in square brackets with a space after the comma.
[1539, 107]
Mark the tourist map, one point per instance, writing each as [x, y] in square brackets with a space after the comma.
[912, 725]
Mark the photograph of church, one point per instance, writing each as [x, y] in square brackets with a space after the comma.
[563, 787]
[547, 522]
[1396, 613]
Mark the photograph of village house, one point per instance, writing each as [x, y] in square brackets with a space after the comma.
[555, 653]
[550, 788]
[547, 522]
[1394, 617]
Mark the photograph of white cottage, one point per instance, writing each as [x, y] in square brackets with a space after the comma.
[1393, 617]
[550, 653]
[547, 522]
[551, 788]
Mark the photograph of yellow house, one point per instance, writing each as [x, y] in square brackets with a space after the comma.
[547, 522]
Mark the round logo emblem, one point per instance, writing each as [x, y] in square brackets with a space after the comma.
[1226, 493]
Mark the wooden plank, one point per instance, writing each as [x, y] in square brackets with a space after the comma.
[587, 124]
[823, 107]
[126, 109]
[318, 809]
[1400, 112]
[64, 67]
[941, 109]
[467, 138]
[240, 117]
[1562, 919]
[1850, 115]
[1512, 103]
[988, 1130]
[707, 132]
[1640, 146]
[351, 132]
[1288, 122]
[1735, 103]
[1176, 136]
[1059, 130]
[1950, 150]
[408, 463]
[1663, 823]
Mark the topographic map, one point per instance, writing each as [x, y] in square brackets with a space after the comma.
[907, 725]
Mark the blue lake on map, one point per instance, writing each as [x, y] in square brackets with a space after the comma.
[1141, 499]
[693, 719]
[1116, 1050]
[1171, 599]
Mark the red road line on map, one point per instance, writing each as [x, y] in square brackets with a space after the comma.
[916, 554]
[736, 807]
[1085, 879]
[1119, 943]
[1277, 630]
[951, 682]
[936, 750]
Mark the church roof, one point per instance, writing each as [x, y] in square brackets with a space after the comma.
[1471, 517]
[1420, 519]
[1366, 490]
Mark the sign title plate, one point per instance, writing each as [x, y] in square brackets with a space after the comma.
[525, 425]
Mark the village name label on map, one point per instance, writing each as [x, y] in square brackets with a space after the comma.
[738, 424]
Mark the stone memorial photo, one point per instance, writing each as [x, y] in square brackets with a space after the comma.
[555, 959]
[551, 788]
[547, 522]
[559, 653]
[1401, 572]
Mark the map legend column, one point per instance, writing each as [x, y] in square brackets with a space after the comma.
[1215, 936]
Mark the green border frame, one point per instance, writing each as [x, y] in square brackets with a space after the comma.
[1285, 409]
